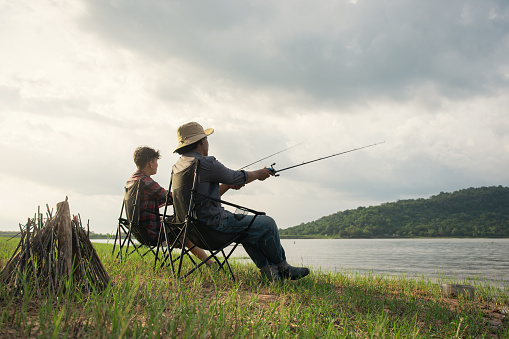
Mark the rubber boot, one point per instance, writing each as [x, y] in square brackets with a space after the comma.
[289, 272]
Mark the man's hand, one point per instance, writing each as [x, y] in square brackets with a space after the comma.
[260, 174]
[264, 173]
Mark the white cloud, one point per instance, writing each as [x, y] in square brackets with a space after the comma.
[307, 47]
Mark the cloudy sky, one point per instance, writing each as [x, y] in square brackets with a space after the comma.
[83, 83]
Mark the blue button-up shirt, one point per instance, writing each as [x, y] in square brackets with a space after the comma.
[212, 173]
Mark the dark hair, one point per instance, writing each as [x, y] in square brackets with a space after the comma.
[143, 155]
[188, 148]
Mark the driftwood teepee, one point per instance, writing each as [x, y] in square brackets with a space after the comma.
[54, 253]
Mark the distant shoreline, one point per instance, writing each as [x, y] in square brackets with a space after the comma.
[12, 234]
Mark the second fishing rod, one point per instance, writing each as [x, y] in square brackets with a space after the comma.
[275, 171]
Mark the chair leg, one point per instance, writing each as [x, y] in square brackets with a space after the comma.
[196, 267]
[116, 237]
[157, 250]
[120, 243]
[213, 255]
[228, 263]
[169, 254]
[166, 253]
[184, 251]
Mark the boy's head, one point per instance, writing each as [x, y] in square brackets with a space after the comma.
[143, 155]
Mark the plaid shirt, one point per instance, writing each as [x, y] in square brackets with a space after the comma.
[151, 197]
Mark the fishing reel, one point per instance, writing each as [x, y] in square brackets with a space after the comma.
[273, 170]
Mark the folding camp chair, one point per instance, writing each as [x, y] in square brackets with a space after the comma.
[129, 226]
[215, 242]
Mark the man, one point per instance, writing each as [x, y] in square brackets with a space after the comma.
[262, 242]
[152, 195]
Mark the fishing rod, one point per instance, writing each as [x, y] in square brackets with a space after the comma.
[257, 161]
[308, 162]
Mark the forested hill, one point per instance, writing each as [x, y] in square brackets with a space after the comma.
[472, 212]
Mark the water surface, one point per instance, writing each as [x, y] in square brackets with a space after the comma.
[480, 260]
[453, 260]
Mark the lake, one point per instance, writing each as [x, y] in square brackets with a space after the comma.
[479, 260]
[462, 260]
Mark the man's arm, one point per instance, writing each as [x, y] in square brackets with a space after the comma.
[260, 174]
[224, 187]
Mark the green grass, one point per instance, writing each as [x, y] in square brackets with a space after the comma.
[141, 303]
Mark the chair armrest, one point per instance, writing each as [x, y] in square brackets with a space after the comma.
[151, 212]
[230, 204]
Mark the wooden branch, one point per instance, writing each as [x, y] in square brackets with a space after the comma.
[64, 240]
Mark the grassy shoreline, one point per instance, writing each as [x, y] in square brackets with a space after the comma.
[142, 303]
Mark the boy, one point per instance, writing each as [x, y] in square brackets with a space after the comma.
[152, 195]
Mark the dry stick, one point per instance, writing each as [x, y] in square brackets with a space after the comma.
[50, 254]
[31, 254]
[50, 224]
[27, 245]
[65, 234]
[19, 263]
[48, 229]
[80, 261]
[49, 212]
[42, 232]
[41, 255]
[27, 242]
[103, 275]
[35, 273]
[6, 272]
[84, 241]
[21, 266]
[86, 255]
[95, 262]
[95, 270]
[14, 236]
[48, 249]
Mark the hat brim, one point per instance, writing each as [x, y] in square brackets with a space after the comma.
[194, 138]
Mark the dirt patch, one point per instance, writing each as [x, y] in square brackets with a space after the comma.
[265, 299]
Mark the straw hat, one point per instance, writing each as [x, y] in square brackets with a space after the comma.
[190, 133]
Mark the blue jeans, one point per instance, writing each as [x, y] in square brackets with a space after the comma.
[261, 243]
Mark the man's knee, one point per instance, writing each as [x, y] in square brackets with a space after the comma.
[270, 223]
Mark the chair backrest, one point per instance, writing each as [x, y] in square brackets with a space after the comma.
[184, 202]
[133, 210]
[132, 203]
[182, 185]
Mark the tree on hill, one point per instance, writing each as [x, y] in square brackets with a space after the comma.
[471, 212]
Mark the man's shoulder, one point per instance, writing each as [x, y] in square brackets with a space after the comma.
[208, 158]
[189, 158]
